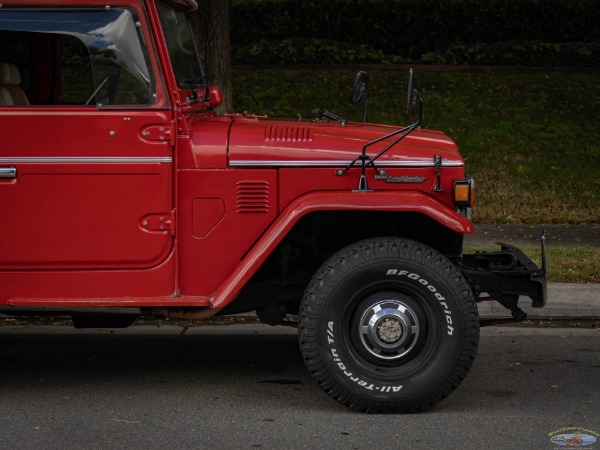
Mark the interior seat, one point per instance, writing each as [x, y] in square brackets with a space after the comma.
[11, 93]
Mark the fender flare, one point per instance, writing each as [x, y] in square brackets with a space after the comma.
[406, 201]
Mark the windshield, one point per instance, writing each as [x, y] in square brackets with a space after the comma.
[105, 45]
[182, 48]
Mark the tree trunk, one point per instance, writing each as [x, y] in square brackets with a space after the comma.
[212, 27]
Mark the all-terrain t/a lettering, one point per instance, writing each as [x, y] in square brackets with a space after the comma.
[351, 377]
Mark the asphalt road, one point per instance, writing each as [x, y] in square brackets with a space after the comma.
[245, 386]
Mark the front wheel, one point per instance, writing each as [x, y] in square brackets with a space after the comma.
[388, 325]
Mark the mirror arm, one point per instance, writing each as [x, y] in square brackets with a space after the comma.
[364, 118]
[366, 161]
[206, 98]
[400, 134]
[408, 129]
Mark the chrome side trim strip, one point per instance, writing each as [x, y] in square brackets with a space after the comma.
[338, 163]
[85, 159]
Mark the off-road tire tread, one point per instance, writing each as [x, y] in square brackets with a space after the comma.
[342, 265]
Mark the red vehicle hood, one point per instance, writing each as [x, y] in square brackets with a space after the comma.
[280, 143]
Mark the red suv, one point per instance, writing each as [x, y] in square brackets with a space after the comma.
[124, 194]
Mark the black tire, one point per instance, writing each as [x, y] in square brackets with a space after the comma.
[388, 325]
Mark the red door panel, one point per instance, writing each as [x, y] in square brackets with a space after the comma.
[78, 185]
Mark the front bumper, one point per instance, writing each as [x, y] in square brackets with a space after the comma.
[506, 275]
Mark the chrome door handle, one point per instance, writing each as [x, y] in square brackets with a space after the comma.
[8, 172]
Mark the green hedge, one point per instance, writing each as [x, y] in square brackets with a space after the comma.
[407, 30]
[576, 54]
[314, 51]
[305, 51]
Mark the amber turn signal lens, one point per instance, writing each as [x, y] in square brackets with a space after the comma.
[464, 193]
[461, 193]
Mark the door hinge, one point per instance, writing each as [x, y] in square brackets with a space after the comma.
[160, 133]
[159, 222]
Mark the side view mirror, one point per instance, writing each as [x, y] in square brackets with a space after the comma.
[359, 91]
[411, 99]
[215, 97]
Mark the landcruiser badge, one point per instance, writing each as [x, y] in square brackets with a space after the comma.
[402, 179]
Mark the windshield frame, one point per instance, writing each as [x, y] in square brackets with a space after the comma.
[193, 76]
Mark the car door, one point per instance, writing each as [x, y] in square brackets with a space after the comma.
[86, 162]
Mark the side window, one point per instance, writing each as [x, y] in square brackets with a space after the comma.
[76, 79]
[74, 57]
[14, 54]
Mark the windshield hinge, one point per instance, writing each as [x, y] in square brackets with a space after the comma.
[173, 133]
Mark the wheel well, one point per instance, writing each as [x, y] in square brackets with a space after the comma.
[286, 272]
[333, 230]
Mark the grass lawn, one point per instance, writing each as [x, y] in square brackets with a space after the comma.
[531, 139]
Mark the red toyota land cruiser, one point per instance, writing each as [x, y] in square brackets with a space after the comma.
[123, 194]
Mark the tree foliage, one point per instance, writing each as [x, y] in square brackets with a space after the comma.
[422, 31]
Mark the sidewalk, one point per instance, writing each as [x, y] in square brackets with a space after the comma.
[564, 300]
[486, 235]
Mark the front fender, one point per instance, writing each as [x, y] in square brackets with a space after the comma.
[333, 201]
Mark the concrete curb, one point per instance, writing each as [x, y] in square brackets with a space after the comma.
[564, 300]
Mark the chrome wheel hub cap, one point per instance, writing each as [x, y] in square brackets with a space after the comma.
[389, 329]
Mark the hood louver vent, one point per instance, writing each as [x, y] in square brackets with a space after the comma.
[252, 197]
[288, 134]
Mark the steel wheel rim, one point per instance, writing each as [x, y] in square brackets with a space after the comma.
[389, 329]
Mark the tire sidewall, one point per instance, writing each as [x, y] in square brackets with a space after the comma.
[442, 336]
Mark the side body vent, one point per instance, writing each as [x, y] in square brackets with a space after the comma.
[252, 197]
[288, 134]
